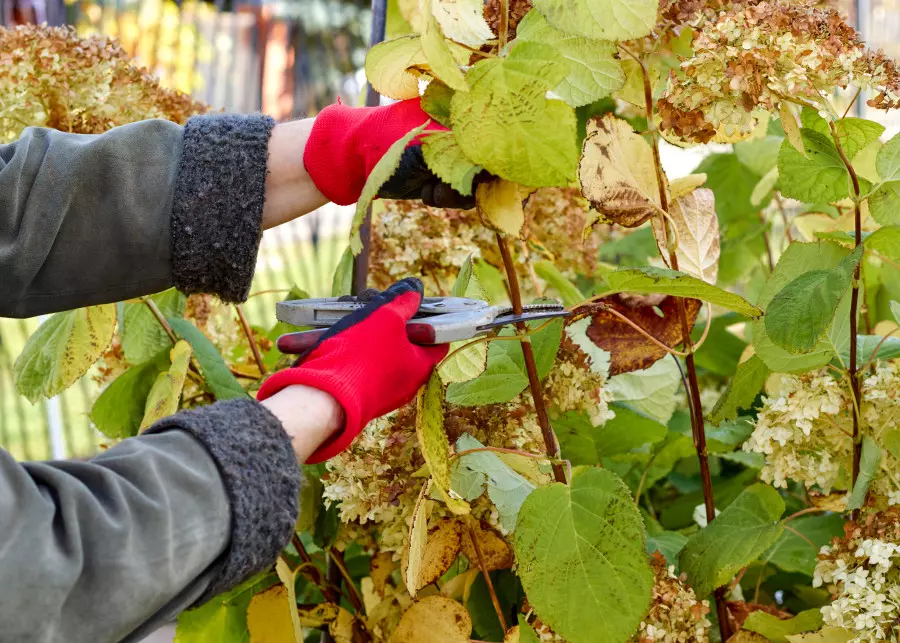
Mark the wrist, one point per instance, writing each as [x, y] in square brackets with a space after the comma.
[308, 415]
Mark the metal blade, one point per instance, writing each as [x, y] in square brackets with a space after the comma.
[545, 312]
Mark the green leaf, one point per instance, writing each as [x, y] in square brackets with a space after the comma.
[895, 310]
[743, 388]
[118, 411]
[671, 282]
[793, 552]
[869, 464]
[445, 158]
[853, 133]
[732, 184]
[505, 375]
[796, 260]
[382, 171]
[777, 630]
[825, 635]
[555, 279]
[506, 488]
[577, 332]
[668, 543]
[594, 72]
[387, 64]
[722, 350]
[820, 176]
[798, 316]
[433, 440]
[526, 634]
[62, 349]
[584, 444]
[891, 442]
[603, 19]
[759, 155]
[888, 160]
[580, 550]
[867, 344]
[438, 54]
[884, 203]
[465, 365]
[506, 124]
[744, 530]
[223, 617]
[436, 102]
[215, 372]
[765, 186]
[163, 398]
[650, 391]
[342, 281]
[142, 335]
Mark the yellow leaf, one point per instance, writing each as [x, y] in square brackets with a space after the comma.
[512, 635]
[442, 546]
[500, 204]
[463, 21]
[618, 174]
[380, 569]
[345, 628]
[317, 615]
[827, 634]
[747, 637]
[414, 553]
[686, 184]
[433, 440]
[439, 56]
[459, 587]
[469, 363]
[411, 13]
[791, 129]
[286, 576]
[269, 616]
[434, 619]
[387, 64]
[162, 401]
[495, 552]
[697, 230]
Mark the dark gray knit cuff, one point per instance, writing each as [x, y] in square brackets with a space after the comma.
[262, 478]
[217, 211]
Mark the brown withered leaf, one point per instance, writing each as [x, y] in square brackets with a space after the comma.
[434, 619]
[618, 174]
[380, 569]
[495, 552]
[693, 217]
[629, 350]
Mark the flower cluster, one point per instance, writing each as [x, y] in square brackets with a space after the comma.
[755, 55]
[862, 571]
[804, 429]
[53, 78]
[573, 386]
[675, 616]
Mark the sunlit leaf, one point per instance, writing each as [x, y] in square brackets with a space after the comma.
[386, 65]
[580, 550]
[825, 635]
[164, 396]
[62, 349]
[215, 371]
[269, 616]
[436, 102]
[143, 337]
[650, 391]
[500, 204]
[618, 174]
[118, 411]
[776, 630]
[818, 177]
[434, 619]
[604, 19]
[462, 20]
[696, 227]
[342, 281]
[684, 185]
[445, 158]
[414, 555]
[439, 56]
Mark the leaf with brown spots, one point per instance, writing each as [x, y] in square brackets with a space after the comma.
[380, 569]
[413, 555]
[269, 616]
[434, 619]
[696, 226]
[317, 615]
[618, 174]
[630, 350]
[495, 552]
[441, 548]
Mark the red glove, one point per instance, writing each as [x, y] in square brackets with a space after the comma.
[366, 362]
[346, 142]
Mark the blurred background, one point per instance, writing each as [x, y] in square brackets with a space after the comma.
[287, 58]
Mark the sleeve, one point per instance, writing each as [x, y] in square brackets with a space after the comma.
[111, 548]
[90, 219]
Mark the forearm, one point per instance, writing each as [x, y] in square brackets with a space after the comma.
[290, 192]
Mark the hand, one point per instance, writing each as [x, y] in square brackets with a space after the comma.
[366, 363]
[346, 142]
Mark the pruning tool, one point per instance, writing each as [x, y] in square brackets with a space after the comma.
[439, 320]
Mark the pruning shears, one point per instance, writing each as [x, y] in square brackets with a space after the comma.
[439, 320]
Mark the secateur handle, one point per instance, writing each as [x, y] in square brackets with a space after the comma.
[302, 341]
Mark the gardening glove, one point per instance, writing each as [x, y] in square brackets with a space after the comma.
[346, 142]
[366, 362]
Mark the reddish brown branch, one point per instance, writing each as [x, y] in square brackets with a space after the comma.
[248, 332]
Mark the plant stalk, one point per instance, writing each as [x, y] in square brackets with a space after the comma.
[852, 370]
[534, 381]
[504, 23]
[697, 422]
[487, 578]
[248, 332]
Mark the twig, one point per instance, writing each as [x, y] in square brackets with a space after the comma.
[496, 338]
[854, 303]
[353, 593]
[161, 319]
[534, 381]
[801, 536]
[248, 332]
[329, 593]
[697, 424]
[787, 224]
[504, 23]
[762, 219]
[530, 266]
[487, 577]
[855, 96]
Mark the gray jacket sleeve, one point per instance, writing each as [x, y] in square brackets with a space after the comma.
[106, 550]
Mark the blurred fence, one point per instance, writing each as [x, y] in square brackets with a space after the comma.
[287, 59]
